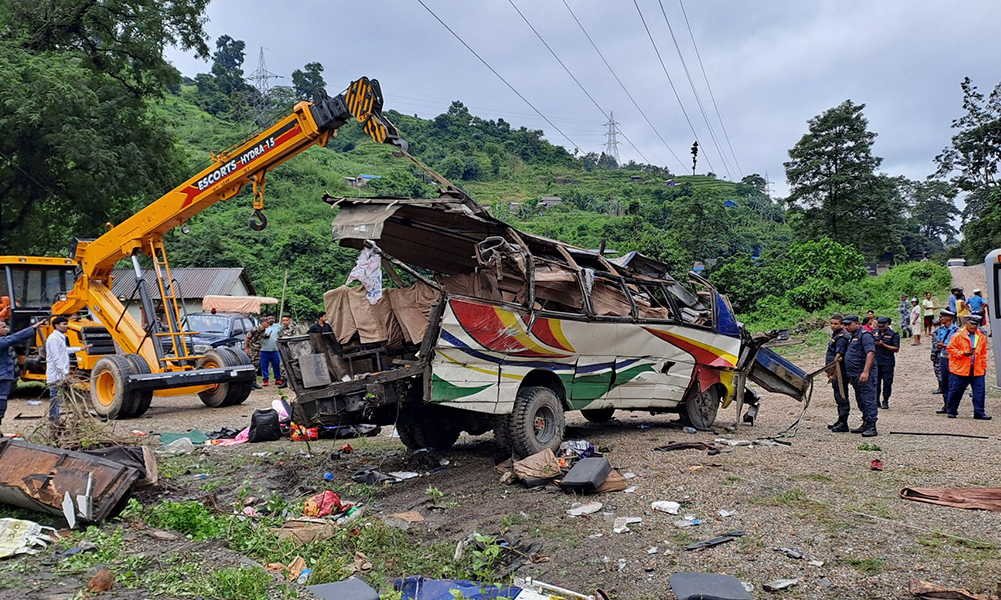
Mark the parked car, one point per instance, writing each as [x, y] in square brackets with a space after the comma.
[956, 262]
[506, 331]
[214, 330]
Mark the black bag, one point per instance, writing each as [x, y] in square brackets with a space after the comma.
[264, 426]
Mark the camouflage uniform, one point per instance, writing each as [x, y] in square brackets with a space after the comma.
[254, 341]
[287, 331]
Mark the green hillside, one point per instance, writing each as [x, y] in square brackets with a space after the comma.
[631, 208]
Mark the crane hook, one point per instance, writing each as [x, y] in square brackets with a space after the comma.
[258, 221]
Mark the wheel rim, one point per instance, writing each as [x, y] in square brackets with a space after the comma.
[705, 405]
[544, 425]
[105, 387]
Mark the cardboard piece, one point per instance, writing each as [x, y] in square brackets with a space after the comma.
[304, 531]
[542, 465]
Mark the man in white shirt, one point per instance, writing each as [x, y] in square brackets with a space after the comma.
[57, 361]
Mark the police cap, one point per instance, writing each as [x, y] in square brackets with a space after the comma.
[850, 319]
[883, 320]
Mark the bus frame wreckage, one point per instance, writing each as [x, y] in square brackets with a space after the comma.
[489, 328]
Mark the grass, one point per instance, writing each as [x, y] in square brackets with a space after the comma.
[818, 477]
[867, 447]
[792, 498]
[867, 566]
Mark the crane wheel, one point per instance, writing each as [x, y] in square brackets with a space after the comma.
[239, 391]
[110, 392]
[142, 399]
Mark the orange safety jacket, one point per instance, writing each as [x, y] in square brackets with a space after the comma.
[960, 364]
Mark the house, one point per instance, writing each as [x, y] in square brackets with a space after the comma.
[550, 201]
[192, 285]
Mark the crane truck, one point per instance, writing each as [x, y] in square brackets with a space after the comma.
[131, 362]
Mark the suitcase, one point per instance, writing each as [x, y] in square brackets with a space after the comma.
[587, 475]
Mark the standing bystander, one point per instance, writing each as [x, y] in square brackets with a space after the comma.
[905, 317]
[859, 359]
[968, 366]
[837, 376]
[943, 335]
[928, 307]
[270, 362]
[57, 362]
[916, 321]
[8, 375]
[887, 346]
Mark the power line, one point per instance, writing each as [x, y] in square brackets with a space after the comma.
[709, 87]
[698, 100]
[602, 56]
[494, 71]
[575, 80]
[674, 89]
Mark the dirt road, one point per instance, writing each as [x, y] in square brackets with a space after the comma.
[818, 495]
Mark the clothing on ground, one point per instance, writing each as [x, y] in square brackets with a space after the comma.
[987, 498]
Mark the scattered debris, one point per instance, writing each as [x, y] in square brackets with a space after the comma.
[586, 476]
[578, 509]
[925, 590]
[716, 541]
[351, 588]
[84, 546]
[361, 564]
[651, 550]
[779, 585]
[876, 465]
[685, 446]
[552, 591]
[576, 449]
[666, 506]
[346, 449]
[726, 513]
[370, 476]
[295, 568]
[815, 563]
[959, 435]
[101, 582]
[794, 554]
[179, 446]
[971, 498]
[621, 524]
[729, 442]
[322, 505]
[402, 475]
[404, 520]
[542, 465]
[688, 429]
[695, 586]
[194, 436]
[304, 531]
[613, 483]
[419, 588]
[50, 479]
[688, 521]
[22, 537]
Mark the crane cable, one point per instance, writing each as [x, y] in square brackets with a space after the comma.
[575, 80]
[674, 89]
[499, 76]
[698, 100]
[709, 87]
[622, 85]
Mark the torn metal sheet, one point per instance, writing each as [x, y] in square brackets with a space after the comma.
[41, 478]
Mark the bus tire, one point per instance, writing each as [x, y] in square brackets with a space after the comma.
[142, 399]
[216, 395]
[110, 392]
[420, 427]
[537, 421]
[502, 433]
[598, 415]
[699, 411]
[238, 391]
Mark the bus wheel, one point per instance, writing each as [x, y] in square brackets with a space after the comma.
[238, 391]
[537, 422]
[422, 426]
[598, 415]
[216, 395]
[110, 392]
[700, 409]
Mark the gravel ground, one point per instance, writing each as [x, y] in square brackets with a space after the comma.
[811, 496]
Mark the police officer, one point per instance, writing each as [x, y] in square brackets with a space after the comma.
[837, 376]
[943, 335]
[859, 359]
[887, 346]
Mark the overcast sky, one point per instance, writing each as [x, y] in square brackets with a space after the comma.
[772, 66]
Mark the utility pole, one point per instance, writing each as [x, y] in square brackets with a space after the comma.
[611, 144]
[261, 80]
[695, 155]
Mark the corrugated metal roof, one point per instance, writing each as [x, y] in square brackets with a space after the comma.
[193, 282]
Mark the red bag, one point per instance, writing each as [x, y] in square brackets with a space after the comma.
[322, 505]
[300, 433]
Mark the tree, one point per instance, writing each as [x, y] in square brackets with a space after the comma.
[79, 147]
[832, 174]
[308, 81]
[972, 160]
[227, 64]
[931, 204]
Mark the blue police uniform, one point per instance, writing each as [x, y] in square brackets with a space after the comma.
[944, 335]
[839, 345]
[885, 362]
[8, 372]
[976, 304]
[860, 344]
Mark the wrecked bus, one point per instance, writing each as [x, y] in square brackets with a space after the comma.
[489, 328]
